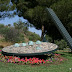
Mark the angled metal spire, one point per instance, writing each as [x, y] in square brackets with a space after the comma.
[60, 26]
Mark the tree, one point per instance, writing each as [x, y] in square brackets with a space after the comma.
[18, 25]
[5, 7]
[63, 9]
[21, 26]
[34, 12]
[9, 25]
[1, 26]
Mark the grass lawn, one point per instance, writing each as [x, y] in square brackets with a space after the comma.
[63, 67]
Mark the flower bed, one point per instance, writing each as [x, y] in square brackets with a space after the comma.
[32, 61]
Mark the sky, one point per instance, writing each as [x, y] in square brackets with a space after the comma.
[7, 21]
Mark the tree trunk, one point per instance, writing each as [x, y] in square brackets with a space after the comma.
[42, 35]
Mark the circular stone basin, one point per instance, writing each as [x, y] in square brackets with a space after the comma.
[44, 48]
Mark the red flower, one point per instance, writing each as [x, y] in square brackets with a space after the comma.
[57, 54]
[0, 50]
[42, 60]
[34, 58]
[35, 61]
[10, 57]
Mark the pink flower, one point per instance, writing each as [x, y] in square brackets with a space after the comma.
[19, 60]
[14, 62]
[47, 60]
[35, 61]
[40, 61]
[33, 58]
[25, 58]
[30, 62]
[22, 60]
[25, 61]
[61, 59]
[57, 54]
[50, 61]
[8, 60]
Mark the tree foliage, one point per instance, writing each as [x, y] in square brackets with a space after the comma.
[34, 12]
[5, 5]
[63, 9]
[21, 26]
[11, 34]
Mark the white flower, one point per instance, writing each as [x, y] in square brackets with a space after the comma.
[70, 68]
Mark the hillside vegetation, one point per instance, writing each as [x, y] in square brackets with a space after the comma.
[10, 35]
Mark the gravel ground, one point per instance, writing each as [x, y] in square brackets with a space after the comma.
[43, 47]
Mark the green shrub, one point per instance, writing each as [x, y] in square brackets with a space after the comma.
[1, 26]
[17, 35]
[13, 35]
[61, 44]
[48, 38]
[33, 37]
[21, 38]
[4, 30]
